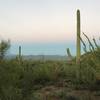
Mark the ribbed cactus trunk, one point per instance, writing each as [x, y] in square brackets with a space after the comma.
[78, 51]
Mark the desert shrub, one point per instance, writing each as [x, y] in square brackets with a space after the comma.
[18, 80]
[9, 77]
[89, 63]
[47, 72]
[4, 46]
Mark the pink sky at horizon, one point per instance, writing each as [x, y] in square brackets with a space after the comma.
[47, 20]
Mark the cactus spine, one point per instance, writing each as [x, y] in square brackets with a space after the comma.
[78, 37]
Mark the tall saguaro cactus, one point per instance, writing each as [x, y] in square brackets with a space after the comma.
[78, 37]
[19, 52]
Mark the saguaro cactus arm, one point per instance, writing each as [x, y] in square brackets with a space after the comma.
[68, 52]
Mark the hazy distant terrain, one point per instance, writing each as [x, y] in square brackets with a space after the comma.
[41, 57]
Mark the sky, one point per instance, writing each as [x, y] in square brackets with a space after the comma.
[47, 26]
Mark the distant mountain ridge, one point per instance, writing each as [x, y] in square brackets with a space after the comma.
[40, 57]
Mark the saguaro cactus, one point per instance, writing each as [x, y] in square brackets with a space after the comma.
[68, 53]
[19, 52]
[78, 53]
